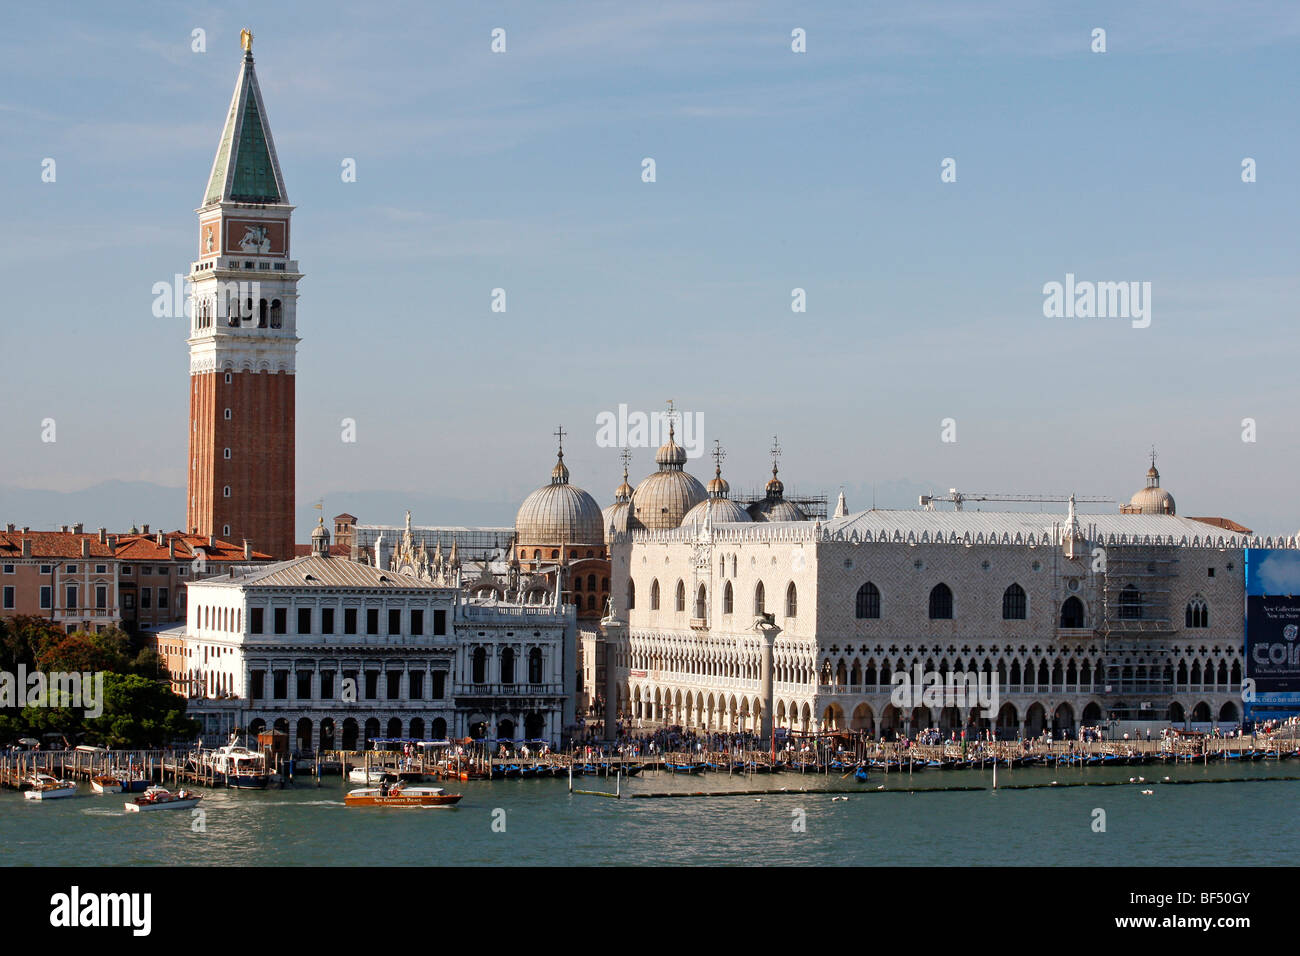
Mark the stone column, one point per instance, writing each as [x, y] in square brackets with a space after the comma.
[613, 637]
[767, 632]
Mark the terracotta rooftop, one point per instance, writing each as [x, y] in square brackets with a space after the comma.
[1226, 523]
[52, 544]
[130, 547]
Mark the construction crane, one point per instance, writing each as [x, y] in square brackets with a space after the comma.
[957, 497]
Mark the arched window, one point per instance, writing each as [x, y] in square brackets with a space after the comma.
[681, 596]
[591, 602]
[577, 583]
[791, 601]
[535, 666]
[261, 313]
[727, 601]
[480, 665]
[759, 601]
[1072, 613]
[701, 602]
[867, 604]
[507, 666]
[591, 581]
[1013, 603]
[1130, 604]
[631, 594]
[1198, 612]
[941, 603]
[654, 595]
[277, 315]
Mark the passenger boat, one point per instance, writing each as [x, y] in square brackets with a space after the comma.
[401, 796]
[45, 787]
[236, 767]
[105, 783]
[160, 798]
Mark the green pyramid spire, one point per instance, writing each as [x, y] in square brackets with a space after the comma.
[245, 168]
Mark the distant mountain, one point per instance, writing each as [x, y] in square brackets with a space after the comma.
[115, 505]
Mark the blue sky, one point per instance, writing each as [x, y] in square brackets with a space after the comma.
[775, 170]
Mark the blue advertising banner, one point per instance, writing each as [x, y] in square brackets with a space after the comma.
[1272, 632]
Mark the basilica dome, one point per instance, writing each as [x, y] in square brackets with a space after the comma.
[724, 509]
[719, 507]
[1151, 500]
[774, 507]
[614, 519]
[661, 500]
[559, 513]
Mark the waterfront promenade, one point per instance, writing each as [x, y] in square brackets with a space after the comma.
[870, 757]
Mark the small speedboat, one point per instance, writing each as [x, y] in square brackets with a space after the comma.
[373, 775]
[401, 796]
[160, 798]
[45, 787]
[105, 783]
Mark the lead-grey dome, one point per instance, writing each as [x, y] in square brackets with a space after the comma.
[661, 500]
[559, 513]
[724, 509]
[1152, 500]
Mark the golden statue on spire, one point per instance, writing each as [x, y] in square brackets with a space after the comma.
[246, 40]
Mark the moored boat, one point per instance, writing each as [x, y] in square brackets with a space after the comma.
[401, 796]
[373, 775]
[45, 787]
[160, 798]
[105, 783]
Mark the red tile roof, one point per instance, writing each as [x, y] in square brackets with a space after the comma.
[1226, 523]
[130, 547]
[145, 547]
[336, 550]
[52, 544]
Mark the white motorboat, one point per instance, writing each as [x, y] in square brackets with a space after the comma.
[105, 783]
[160, 798]
[45, 787]
[373, 775]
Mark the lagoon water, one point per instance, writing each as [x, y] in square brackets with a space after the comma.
[909, 822]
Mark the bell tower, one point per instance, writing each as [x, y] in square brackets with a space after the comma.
[243, 337]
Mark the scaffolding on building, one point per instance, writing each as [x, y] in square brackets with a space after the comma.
[814, 506]
[1134, 587]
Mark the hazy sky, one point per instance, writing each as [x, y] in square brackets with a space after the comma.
[774, 170]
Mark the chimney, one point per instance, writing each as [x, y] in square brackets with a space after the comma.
[10, 527]
[159, 539]
[112, 541]
[248, 551]
[212, 541]
[144, 529]
[103, 536]
[171, 548]
[27, 546]
[63, 529]
[26, 529]
[85, 547]
[78, 528]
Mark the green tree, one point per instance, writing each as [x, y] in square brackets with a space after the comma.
[139, 713]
